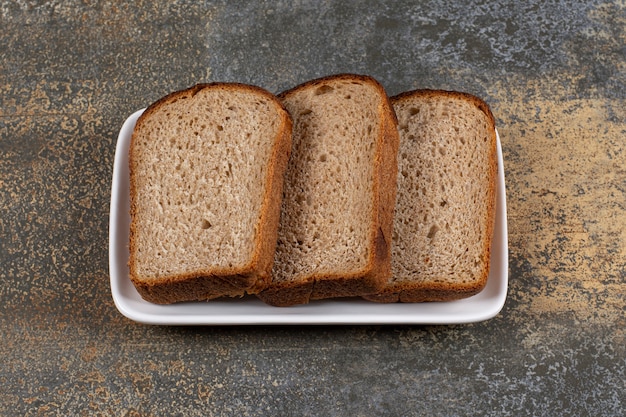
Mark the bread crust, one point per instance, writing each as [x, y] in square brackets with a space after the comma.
[442, 291]
[211, 283]
[377, 272]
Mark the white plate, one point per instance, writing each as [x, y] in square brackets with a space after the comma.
[250, 310]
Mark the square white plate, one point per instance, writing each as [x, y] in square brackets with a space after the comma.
[251, 311]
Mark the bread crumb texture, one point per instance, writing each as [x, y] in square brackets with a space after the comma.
[445, 201]
[328, 196]
[199, 167]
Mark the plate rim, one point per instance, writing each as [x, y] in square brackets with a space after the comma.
[129, 303]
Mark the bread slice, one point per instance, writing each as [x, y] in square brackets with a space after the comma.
[336, 219]
[445, 208]
[206, 174]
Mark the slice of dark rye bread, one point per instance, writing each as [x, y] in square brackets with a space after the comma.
[206, 176]
[337, 212]
[445, 207]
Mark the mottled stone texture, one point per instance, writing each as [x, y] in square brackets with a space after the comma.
[554, 73]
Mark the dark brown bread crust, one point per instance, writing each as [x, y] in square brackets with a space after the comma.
[209, 284]
[378, 270]
[438, 291]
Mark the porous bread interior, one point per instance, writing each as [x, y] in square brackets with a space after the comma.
[328, 196]
[201, 164]
[442, 202]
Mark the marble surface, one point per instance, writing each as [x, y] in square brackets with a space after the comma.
[554, 74]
